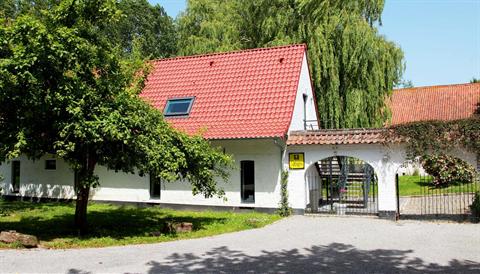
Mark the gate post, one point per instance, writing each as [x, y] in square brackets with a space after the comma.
[387, 194]
[397, 187]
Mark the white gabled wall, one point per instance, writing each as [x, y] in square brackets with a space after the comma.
[304, 87]
[35, 181]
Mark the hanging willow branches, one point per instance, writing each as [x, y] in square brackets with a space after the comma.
[353, 67]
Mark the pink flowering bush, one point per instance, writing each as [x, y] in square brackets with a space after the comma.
[448, 170]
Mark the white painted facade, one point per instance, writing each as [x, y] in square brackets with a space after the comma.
[36, 181]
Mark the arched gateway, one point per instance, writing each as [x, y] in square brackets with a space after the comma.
[341, 185]
[346, 171]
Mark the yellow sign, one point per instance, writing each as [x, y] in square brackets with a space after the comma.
[296, 160]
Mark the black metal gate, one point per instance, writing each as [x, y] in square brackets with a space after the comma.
[418, 198]
[342, 185]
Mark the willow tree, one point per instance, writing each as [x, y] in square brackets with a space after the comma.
[65, 90]
[354, 68]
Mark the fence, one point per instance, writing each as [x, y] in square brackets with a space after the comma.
[428, 201]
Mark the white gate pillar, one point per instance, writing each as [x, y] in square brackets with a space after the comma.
[386, 169]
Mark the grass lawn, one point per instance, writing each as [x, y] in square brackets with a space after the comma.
[412, 185]
[117, 225]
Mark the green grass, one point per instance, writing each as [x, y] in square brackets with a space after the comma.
[412, 185]
[111, 225]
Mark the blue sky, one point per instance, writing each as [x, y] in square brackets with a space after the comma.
[440, 38]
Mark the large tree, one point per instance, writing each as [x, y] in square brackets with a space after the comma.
[65, 90]
[146, 27]
[140, 27]
[354, 68]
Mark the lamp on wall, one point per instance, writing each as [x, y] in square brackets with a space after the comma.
[334, 149]
[386, 158]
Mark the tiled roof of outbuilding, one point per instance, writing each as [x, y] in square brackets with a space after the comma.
[449, 102]
[242, 94]
[336, 137]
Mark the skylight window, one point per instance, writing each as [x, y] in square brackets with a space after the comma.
[178, 107]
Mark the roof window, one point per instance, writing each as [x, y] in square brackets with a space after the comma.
[178, 106]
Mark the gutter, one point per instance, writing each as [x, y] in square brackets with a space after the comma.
[280, 143]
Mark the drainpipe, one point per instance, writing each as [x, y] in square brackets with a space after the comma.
[282, 145]
[305, 96]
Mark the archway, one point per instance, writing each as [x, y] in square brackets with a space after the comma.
[341, 185]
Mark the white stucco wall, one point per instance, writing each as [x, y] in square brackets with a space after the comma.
[266, 156]
[304, 87]
[35, 181]
[387, 161]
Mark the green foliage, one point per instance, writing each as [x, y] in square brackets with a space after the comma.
[284, 208]
[65, 89]
[475, 207]
[208, 26]
[139, 27]
[432, 140]
[423, 138]
[145, 28]
[448, 170]
[475, 80]
[354, 69]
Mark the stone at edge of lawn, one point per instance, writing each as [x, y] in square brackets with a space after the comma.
[28, 241]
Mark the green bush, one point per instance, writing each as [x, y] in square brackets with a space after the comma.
[284, 208]
[475, 207]
[448, 170]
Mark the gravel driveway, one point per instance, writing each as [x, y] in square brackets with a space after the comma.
[300, 244]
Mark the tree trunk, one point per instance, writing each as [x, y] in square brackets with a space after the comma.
[81, 209]
[84, 178]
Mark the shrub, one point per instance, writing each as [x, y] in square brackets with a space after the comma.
[284, 209]
[447, 170]
[475, 207]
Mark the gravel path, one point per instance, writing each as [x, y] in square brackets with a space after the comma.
[300, 244]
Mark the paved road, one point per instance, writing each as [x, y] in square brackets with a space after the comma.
[299, 244]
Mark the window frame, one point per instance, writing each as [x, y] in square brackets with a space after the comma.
[47, 166]
[177, 114]
[152, 181]
[15, 187]
[242, 182]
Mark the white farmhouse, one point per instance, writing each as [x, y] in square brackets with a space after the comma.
[259, 106]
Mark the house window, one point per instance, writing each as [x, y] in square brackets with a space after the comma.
[154, 187]
[178, 107]
[247, 181]
[16, 176]
[51, 164]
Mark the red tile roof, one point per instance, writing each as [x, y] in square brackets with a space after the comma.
[449, 102]
[336, 137]
[243, 94]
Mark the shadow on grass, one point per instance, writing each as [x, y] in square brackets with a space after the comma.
[115, 222]
[334, 258]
